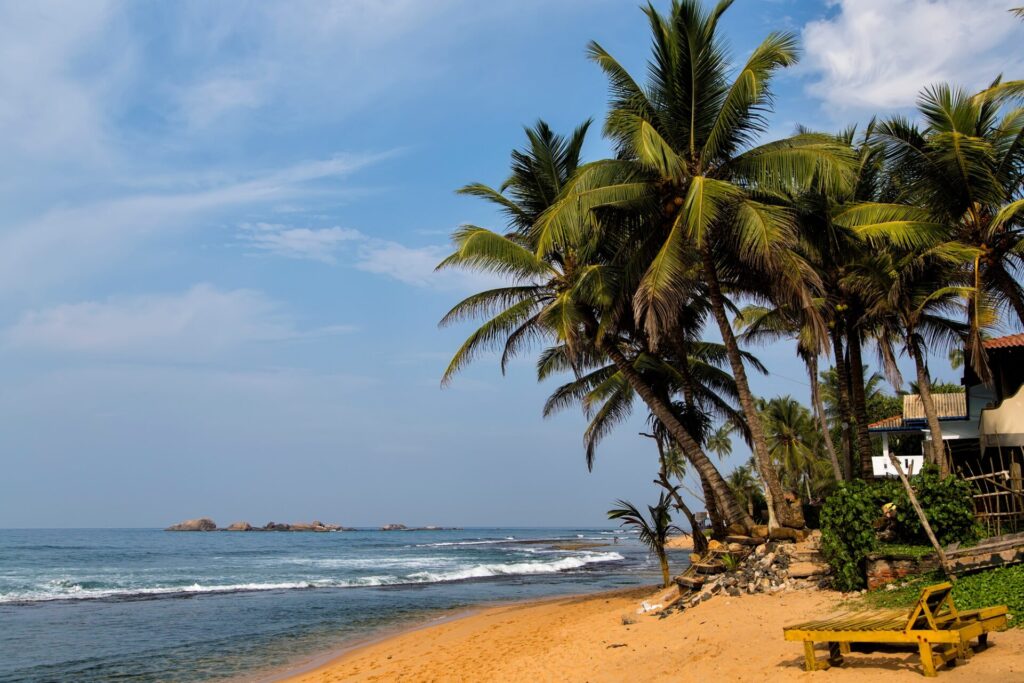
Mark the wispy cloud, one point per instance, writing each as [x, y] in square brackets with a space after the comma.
[65, 242]
[201, 322]
[314, 244]
[879, 54]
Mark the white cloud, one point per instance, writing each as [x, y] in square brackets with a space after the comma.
[415, 266]
[207, 101]
[198, 323]
[314, 244]
[879, 54]
[62, 243]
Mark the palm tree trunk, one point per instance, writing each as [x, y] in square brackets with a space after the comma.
[777, 507]
[730, 511]
[701, 545]
[717, 523]
[819, 413]
[666, 575]
[924, 386]
[844, 401]
[860, 410]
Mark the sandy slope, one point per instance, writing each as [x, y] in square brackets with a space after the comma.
[586, 639]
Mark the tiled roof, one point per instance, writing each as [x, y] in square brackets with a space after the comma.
[888, 423]
[1008, 342]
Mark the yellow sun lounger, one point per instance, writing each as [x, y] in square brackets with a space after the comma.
[933, 622]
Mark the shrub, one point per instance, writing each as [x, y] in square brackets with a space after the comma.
[946, 503]
[847, 534]
[848, 516]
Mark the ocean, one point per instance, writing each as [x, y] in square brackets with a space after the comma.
[90, 605]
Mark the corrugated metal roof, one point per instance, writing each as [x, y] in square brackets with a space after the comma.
[1008, 342]
[946, 405]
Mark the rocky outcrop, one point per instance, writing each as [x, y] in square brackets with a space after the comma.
[200, 524]
[394, 527]
[207, 524]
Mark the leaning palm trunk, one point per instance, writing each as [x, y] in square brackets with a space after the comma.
[731, 512]
[860, 411]
[938, 455]
[819, 413]
[778, 511]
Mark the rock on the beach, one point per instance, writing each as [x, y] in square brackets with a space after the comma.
[200, 524]
[802, 570]
[239, 526]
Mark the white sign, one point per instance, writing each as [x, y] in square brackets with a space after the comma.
[882, 467]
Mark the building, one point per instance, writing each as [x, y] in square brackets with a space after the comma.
[982, 430]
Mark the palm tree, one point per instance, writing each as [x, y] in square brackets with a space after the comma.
[794, 443]
[556, 294]
[911, 296]
[684, 160]
[964, 167]
[745, 486]
[652, 533]
[720, 441]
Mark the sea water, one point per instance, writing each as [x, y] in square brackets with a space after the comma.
[150, 605]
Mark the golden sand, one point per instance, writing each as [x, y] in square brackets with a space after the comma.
[602, 638]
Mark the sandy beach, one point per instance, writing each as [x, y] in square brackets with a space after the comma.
[602, 638]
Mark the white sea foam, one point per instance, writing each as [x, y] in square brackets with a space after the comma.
[445, 544]
[65, 589]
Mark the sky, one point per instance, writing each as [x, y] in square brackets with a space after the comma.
[219, 223]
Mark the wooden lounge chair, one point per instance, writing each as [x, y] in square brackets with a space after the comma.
[933, 622]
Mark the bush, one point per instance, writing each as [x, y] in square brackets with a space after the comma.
[946, 503]
[847, 534]
[848, 516]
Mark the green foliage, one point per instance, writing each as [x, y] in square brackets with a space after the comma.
[847, 534]
[731, 562]
[915, 551]
[1000, 586]
[849, 514]
[946, 503]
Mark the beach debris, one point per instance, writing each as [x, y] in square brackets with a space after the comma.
[769, 567]
[613, 645]
[648, 607]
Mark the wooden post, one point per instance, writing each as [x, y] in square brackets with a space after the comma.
[924, 520]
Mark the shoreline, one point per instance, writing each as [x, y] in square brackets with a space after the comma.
[329, 657]
[600, 636]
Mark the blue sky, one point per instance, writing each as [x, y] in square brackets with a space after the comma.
[220, 222]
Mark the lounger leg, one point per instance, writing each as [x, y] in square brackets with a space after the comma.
[835, 656]
[927, 661]
[809, 661]
[983, 641]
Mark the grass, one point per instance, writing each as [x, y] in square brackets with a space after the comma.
[1000, 586]
[915, 551]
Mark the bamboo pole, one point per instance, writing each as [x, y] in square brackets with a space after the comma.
[924, 520]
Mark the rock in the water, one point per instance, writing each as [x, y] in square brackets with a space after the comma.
[394, 527]
[276, 526]
[239, 526]
[201, 524]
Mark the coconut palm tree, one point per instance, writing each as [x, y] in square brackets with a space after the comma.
[911, 296]
[720, 441]
[556, 294]
[746, 487]
[964, 167]
[685, 161]
[653, 532]
[672, 466]
[794, 443]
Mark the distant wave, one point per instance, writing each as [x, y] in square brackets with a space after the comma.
[507, 539]
[87, 590]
